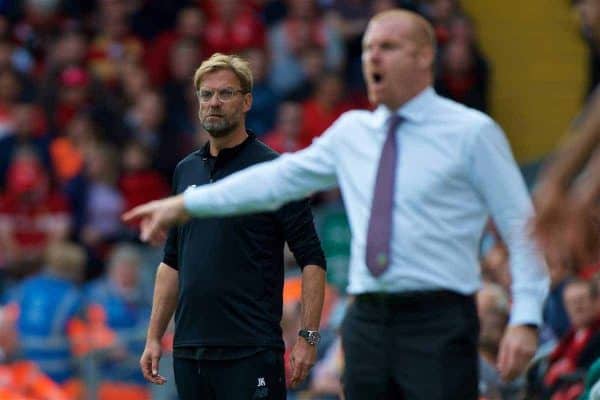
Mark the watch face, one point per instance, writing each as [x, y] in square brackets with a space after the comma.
[314, 337]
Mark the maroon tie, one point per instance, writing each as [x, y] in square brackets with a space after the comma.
[379, 233]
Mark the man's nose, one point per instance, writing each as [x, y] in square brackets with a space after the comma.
[214, 101]
[374, 56]
[370, 60]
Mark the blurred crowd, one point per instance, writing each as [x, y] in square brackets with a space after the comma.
[97, 106]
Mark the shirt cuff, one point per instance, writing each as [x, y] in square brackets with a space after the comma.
[526, 309]
[190, 201]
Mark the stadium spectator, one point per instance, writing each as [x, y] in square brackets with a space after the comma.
[69, 49]
[461, 78]
[47, 303]
[180, 96]
[68, 151]
[74, 95]
[97, 202]
[148, 124]
[14, 56]
[285, 138]
[299, 31]
[189, 28]
[114, 43]
[10, 95]
[21, 379]
[139, 183]
[134, 83]
[493, 310]
[312, 63]
[28, 130]
[325, 106]
[350, 18]
[32, 214]
[261, 118]
[580, 346]
[40, 22]
[231, 27]
[556, 320]
[440, 12]
[119, 294]
[495, 258]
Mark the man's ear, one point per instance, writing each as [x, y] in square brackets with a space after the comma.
[426, 57]
[247, 102]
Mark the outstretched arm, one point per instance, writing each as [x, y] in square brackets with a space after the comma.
[262, 187]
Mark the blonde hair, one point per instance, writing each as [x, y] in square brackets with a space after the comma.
[233, 63]
[422, 29]
[66, 259]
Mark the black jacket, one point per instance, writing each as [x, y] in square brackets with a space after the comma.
[231, 268]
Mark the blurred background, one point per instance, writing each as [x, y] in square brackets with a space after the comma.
[97, 106]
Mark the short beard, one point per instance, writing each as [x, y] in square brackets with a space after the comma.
[220, 128]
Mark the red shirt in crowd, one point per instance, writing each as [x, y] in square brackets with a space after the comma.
[244, 31]
[31, 223]
[317, 119]
[141, 187]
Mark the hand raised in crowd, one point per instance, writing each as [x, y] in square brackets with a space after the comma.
[566, 198]
[567, 222]
[549, 200]
[149, 362]
[302, 360]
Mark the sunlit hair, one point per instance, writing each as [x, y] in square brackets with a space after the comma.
[233, 63]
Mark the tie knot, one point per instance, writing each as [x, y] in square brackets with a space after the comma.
[393, 122]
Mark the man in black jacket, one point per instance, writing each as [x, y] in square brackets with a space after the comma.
[223, 276]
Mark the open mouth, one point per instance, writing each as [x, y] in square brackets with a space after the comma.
[377, 77]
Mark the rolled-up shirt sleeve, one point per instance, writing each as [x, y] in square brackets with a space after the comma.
[497, 178]
[300, 234]
[170, 253]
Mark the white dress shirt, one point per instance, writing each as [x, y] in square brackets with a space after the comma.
[455, 169]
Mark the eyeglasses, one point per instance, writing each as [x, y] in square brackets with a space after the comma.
[222, 95]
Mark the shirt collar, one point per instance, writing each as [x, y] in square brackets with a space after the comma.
[228, 153]
[413, 110]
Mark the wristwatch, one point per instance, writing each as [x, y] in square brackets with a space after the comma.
[312, 337]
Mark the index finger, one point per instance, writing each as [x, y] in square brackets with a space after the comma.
[137, 212]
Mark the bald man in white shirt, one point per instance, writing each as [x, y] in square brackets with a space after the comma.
[419, 176]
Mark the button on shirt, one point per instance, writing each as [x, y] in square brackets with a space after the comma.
[454, 170]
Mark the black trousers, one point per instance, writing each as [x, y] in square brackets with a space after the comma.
[415, 346]
[260, 376]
